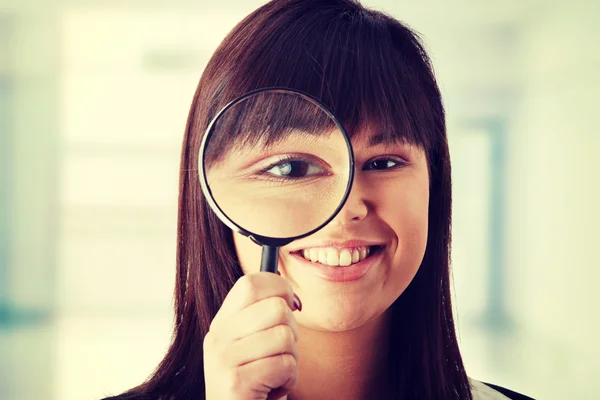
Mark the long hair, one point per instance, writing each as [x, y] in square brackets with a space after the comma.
[369, 69]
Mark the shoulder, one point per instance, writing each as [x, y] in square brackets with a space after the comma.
[488, 391]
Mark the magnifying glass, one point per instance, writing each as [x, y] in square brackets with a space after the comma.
[275, 165]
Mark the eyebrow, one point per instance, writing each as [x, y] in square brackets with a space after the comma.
[378, 139]
[381, 138]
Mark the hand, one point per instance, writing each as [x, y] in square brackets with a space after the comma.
[250, 350]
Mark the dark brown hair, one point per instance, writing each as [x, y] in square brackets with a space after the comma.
[369, 69]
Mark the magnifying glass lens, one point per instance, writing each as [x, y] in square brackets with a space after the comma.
[277, 164]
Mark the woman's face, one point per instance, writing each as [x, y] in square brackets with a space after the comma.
[385, 216]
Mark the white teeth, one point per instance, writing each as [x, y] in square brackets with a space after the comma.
[345, 258]
[323, 256]
[335, 257]
[332, 257]
[355, 256]
[314, 255]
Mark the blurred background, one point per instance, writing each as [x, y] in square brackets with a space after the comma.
[94, 95]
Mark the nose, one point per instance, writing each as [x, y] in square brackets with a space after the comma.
[356, 206]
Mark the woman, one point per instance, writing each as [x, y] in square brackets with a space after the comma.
[388, 334]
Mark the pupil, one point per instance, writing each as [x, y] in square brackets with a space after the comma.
[380, 164]
[294, 168]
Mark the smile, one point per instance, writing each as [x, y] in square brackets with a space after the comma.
[342, 257]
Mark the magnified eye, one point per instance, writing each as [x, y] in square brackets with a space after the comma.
[291, 168]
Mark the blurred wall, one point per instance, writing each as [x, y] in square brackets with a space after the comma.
[555, 198]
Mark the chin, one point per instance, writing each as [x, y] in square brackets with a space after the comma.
[332, 316]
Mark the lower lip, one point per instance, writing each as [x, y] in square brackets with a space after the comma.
[343, 274]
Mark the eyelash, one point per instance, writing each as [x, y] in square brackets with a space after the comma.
[264, 174]
[280, 160]
[397, 160]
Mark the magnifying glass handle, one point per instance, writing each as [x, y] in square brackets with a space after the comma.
[270, 256]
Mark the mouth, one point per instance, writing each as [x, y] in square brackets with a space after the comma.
[338, 257]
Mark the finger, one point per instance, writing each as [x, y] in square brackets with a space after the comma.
[252, 288]
[276, 340]
[276, 375]
[260, 316]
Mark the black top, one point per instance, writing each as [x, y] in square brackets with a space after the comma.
[508, 393]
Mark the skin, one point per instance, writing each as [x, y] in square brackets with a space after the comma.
[270, 207]
[334, 347]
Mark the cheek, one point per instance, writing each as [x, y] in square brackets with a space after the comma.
[248, 252]
[407, 214]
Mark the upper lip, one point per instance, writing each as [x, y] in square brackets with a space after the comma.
[338, 244]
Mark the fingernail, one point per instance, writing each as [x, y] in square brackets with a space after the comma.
[297, 302]
[278, 273]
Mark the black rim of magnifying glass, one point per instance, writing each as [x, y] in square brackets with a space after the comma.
[271, 242]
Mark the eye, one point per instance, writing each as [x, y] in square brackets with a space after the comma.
[290, 168]
[384, 164]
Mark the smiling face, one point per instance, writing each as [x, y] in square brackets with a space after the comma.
[352, 270]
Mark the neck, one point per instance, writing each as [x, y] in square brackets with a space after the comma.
[349, 365]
